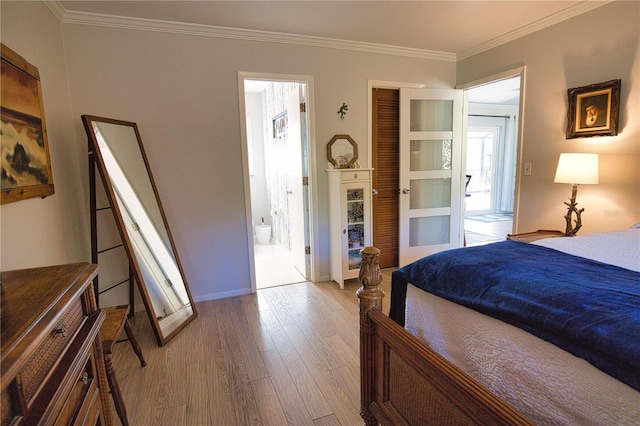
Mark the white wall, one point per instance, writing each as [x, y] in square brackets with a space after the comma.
[55, 230]
[598, 46]
[182, 92]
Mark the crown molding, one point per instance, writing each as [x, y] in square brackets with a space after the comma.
[142, 24]
[56, 8]
[563, 15]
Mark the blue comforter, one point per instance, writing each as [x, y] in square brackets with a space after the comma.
[588, 308]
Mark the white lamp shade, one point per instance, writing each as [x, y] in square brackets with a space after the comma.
[577, 168]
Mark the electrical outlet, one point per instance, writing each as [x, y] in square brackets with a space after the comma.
[527, 169]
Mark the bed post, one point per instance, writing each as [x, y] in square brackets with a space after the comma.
[370, 296]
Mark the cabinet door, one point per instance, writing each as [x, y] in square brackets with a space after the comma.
[356, 232]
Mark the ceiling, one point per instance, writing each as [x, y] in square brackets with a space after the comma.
[460, 28]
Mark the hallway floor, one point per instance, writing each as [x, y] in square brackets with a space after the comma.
[484, 229]
[274, 266]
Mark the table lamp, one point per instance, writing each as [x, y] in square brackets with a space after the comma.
[576, 168]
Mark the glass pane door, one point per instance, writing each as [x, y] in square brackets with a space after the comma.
[355, 226]
[481, 144]
[430, 151]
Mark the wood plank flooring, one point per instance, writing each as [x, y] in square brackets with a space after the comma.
[285, 356]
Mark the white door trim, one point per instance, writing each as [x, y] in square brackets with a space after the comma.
[515, 72]
[311, 141]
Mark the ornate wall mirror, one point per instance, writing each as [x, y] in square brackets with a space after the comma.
[342, 152]
[122, 163]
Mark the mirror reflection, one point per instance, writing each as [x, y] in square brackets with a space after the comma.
[129, 184]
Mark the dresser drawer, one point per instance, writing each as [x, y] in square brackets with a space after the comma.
[51, 359]
[91, 412]
[39, 365]
[81, 395]
[65, 390]
[355, 175]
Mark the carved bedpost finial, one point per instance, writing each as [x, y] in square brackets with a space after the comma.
[370, 295]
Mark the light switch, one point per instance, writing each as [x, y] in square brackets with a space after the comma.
[527, 169]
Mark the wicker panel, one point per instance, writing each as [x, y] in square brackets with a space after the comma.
[6, 411]
[433, 408]
[51, 348]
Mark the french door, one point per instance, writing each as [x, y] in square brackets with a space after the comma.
[482, 163]
[431, 185]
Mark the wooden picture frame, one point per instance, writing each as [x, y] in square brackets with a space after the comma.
[25, 165]
[594, 110]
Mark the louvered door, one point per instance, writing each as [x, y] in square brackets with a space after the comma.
[385, 158]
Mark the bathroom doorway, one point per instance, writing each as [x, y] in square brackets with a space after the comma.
[278, 169]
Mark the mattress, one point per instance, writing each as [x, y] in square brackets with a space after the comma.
[545, 383]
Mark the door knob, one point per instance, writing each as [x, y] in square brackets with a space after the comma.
[374, 192]
[405, 191]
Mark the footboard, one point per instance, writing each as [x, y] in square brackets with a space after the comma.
[405, 382]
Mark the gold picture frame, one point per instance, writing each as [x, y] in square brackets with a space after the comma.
[25, 165]
[342, 152]
[593, 110]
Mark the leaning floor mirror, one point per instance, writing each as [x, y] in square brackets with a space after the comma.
[128, 182]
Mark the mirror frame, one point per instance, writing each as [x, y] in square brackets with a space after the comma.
[337, 156]
[99, 161]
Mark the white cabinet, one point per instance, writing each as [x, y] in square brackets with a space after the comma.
[350, 220]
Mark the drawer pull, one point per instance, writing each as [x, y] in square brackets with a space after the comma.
[61, 330]
[84, 378]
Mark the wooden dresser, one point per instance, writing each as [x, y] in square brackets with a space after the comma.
[51, 363]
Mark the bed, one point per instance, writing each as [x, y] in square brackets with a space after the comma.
[451, 359]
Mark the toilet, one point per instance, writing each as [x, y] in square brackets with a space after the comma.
[263, 234]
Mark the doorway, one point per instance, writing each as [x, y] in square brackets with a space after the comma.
[277, 154]
[495, 96]
[491, 160]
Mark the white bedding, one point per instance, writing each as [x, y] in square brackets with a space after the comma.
[542, 381]
[620, 248]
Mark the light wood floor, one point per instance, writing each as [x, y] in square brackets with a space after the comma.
[286, 355]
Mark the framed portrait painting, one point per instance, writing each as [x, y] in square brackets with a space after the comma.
[25, 166]
[593, 110]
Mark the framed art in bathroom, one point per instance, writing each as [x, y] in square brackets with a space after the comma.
[280, 123]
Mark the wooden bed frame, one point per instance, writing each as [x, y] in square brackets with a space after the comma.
[403, 382]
